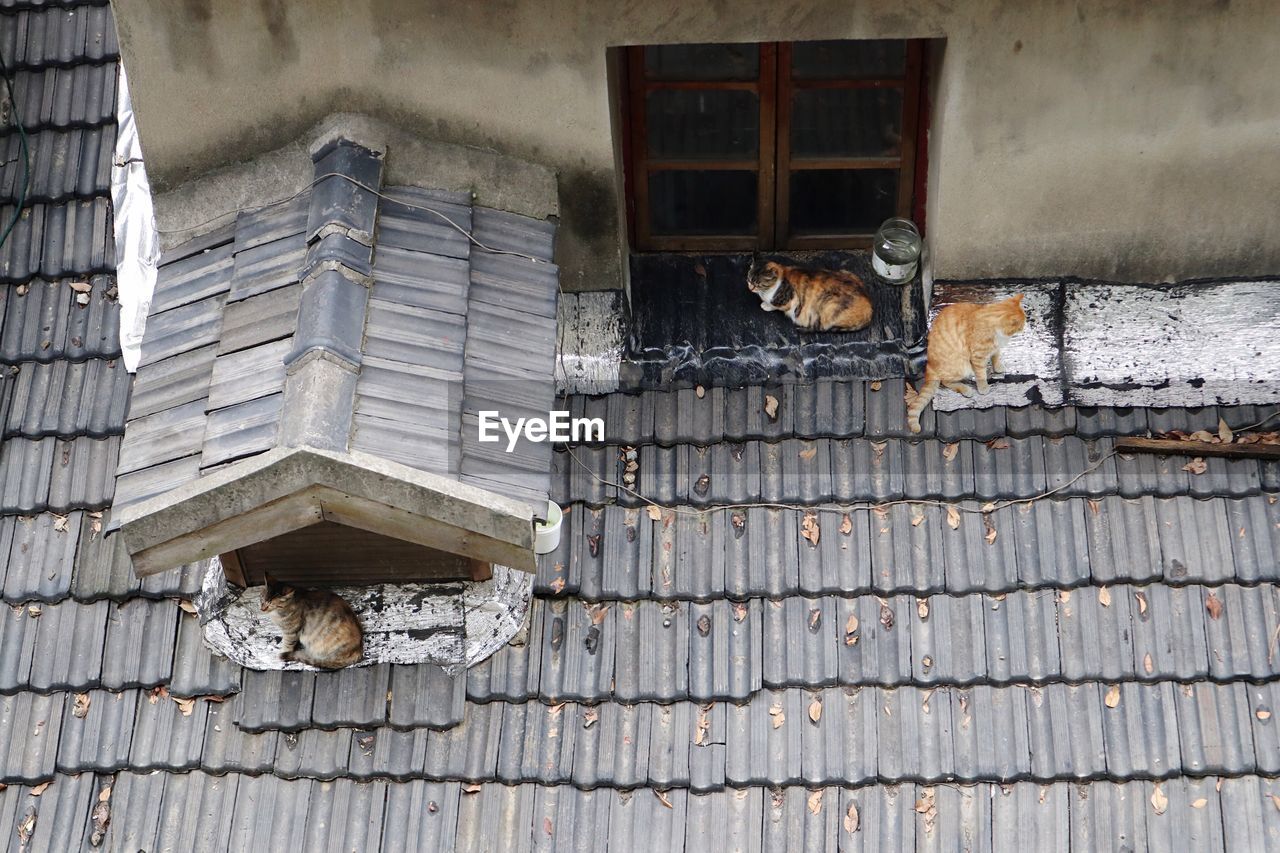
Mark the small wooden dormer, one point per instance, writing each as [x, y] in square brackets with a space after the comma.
[309, 375]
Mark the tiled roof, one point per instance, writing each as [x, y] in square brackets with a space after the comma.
[1094, 670]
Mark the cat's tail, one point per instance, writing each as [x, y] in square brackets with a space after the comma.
[927, 389]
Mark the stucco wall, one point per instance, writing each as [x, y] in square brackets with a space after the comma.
[1099, 138]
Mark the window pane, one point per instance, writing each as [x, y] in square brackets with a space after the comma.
[710, 202]
[846, 123]
[702, 62]
[828, 60]
[842, 201]
[692, 123]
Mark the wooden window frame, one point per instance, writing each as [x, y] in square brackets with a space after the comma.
[773, 86]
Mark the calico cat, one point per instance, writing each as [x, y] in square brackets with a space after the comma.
[816, 300]
[320, 628]
[964, 337]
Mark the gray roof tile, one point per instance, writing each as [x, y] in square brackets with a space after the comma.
[100, 740]
[260, 319]
[164, 436]
[65, 399]
[354, 697]
[30, 725]
[198, 671]
[139, 643]
[228, 748]
[193, 278]
[164, 738]
[174, 382]
[182, 329]
[241, 430]
[45, 323]
[62, 98]
[248, 374]
[423, 696]
[38, 554]
[266, 267]
[275, 700]
[69, 645]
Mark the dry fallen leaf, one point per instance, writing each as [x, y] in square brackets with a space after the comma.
[949, 452]
[1262, 714]
[703, 726]
[40, 789]
[851, 818]
[187, 606]
[809, 528]
[186, 706]
[851, 631]
[953, 517]
[1224, 431]
[1064, 596]
[1142, 603]
[699, 391]
[739, 611]
[846, 525]
[471, 788]
[922, 608]
[775, 712]
[998, 444]
[808, 453]
[1104, 596]
[917, 516]
[1200, 803]
[815, 709]
[1213, 604]
[990, 535]
[546, 826]
[1198, 435]
[589, 717]
[876, 385]
[815, 802]
[1196, 466]
[655, 514]
[80, 286]
[80, 708]
[662, 798]
[771, 406]
[1094, 505]
[886, 616]
[60, 523]
[1159, 802]
[1112, 698]
[1275, 799]
[1147, 663]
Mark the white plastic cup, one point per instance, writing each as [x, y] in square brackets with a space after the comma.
[546, 534]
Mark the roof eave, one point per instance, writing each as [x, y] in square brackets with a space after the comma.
[286, 489]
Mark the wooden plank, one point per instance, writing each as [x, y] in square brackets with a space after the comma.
[233, 568]
[910, 126]
[771, 59]
[1174, 447]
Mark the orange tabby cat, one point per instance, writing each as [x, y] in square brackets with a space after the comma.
[964, 337]
[320, 628]
[817, 300]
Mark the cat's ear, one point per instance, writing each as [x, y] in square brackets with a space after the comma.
[1017, 299]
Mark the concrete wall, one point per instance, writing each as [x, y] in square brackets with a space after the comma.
[1112, 139]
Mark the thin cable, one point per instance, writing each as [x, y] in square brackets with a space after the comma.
[24, 147]
[464, 232]
[859, 506]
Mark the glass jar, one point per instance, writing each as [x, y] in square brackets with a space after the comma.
[895, 250]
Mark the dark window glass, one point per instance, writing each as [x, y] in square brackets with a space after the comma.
[702, 62]
[834, 201]
[710, 202]
[722, 123]
[846, 123]
[843, 60]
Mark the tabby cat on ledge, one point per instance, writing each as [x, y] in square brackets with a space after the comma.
[320, 628]
[963, 339]
[815, 300]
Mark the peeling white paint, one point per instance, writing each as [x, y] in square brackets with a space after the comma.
[1184, 345]
[591, 342]
[454, 625]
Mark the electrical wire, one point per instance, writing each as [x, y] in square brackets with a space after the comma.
[23, 146]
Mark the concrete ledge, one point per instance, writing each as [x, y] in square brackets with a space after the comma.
[289, 488]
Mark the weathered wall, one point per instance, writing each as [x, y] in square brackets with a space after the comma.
[1099, 138]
